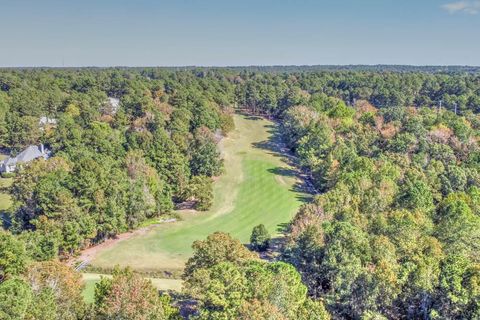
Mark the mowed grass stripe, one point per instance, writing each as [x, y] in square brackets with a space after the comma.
[252, 191]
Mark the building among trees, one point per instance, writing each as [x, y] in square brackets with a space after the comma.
[30, 153]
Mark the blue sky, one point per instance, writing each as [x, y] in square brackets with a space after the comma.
[238, 32]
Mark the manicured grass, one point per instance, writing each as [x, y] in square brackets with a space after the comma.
[90, 279]
[257, 187]
[5, 199]
[89, 290]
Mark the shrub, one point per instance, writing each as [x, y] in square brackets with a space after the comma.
[7, 175]
[260, 238]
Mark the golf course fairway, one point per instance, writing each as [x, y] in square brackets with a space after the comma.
[258, 186]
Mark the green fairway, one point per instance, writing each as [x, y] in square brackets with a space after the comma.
[90, 279]
[257, 187]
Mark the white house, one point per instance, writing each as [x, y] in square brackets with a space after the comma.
[114, 104]
[30, 153]
[46, 120]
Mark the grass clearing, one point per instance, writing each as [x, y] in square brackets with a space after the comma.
[257, 187]
[5, 199]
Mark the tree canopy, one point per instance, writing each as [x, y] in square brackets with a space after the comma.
[391, 153]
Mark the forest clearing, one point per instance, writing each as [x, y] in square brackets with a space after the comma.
[257, 187]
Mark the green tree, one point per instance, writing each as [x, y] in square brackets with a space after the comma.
[458, 295]
[458, 227]
[205, 158]
[218, 247]
[260, 238]
[201, 191]
[13, 256]
[15, 299]
[251, 290]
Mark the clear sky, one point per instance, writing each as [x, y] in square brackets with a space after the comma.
[238, 32]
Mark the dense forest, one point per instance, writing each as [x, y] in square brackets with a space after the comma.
[393, 153]
[396, 229]
[111, 170]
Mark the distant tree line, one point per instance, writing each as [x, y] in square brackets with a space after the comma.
[273, 93]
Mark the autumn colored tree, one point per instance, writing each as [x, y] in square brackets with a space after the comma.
[55, 284]
[129, 296]
[218, 247]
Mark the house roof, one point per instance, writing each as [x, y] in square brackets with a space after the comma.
[115, 103]
[32, 152]
[46, 120]
[29, 154]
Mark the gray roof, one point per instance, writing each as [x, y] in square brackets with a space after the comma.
[32, 152]
[27, 155]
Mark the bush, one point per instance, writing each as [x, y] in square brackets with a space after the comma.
[260, 238]
[8, 175]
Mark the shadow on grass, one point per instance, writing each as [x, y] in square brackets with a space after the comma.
[253, 118]
[5, 219]
[282, 171]
[304, 198]
[248, 115]
[302, 187]
[274, 251]
[283, 227]
[277, 148]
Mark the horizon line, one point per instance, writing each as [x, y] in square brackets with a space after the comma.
[243, 66]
